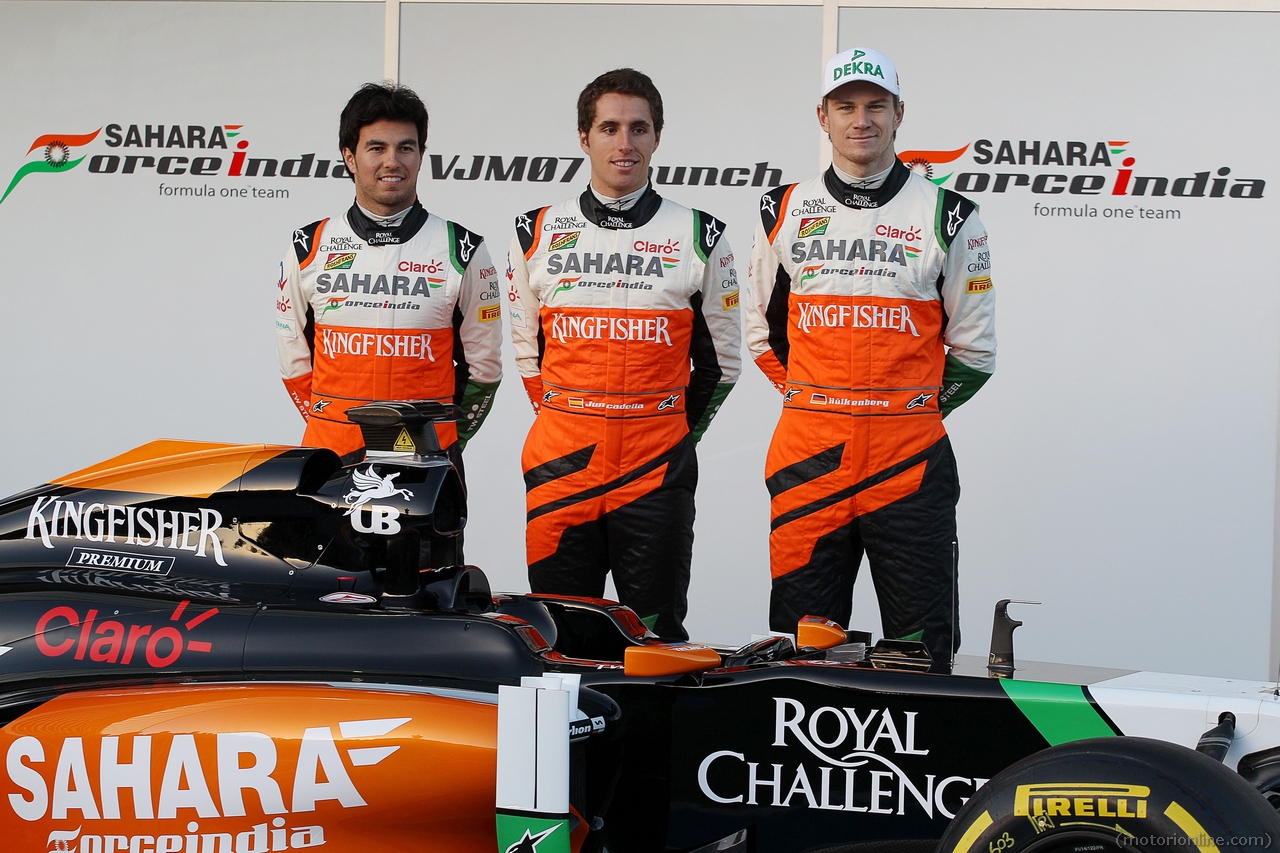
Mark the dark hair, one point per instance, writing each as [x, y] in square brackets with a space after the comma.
[621, 81]
[375, 102]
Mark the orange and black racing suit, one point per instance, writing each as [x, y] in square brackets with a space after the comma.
[873, 314]
[365, 312]
[607, 310]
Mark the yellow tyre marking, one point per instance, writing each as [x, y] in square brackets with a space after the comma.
[971, 834]
[1191, 827]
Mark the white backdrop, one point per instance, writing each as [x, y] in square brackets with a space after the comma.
[1120, 467]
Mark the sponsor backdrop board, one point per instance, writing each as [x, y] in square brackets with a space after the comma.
[136, 289]
[1120, 465]
[513, 124]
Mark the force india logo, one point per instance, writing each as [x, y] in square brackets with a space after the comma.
[245, 762]
[852, 765]
[1004, 166]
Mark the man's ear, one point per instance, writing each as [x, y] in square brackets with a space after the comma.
[582, 140]
[822, 116]
[349, 157]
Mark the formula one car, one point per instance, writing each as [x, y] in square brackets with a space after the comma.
[238, 649]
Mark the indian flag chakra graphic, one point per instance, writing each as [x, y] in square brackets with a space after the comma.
[51, 152]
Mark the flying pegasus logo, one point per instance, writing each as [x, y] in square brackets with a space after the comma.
[370, 486]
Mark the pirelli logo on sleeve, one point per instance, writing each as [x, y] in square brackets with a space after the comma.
[730, 300]
[489, 313]
[1081, 799]
[978, 285]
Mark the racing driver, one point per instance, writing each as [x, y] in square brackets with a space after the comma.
[613, 296]
[870, 306]
[387, 301]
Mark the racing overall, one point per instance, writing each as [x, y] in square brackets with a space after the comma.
[608, 309]
[369, 313]
[873, 314]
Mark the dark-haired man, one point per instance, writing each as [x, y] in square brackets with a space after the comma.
[613, 296]
[870, 306]
[387, 301]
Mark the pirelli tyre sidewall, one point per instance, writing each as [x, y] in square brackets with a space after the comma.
[1114, 794]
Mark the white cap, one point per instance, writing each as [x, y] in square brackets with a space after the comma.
[860, 63]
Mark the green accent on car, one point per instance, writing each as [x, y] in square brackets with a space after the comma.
[915, 637]
[649, 621]
[530, 833]
[1060, 712]
[713, 406]
[477, 400]
[959, 383]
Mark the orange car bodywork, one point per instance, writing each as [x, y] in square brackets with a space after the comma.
[250, 768]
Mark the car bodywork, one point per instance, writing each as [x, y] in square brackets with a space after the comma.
[247, 648]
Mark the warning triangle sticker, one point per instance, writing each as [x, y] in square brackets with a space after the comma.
[404, 443]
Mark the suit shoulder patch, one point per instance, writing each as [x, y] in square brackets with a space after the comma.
[305, 241]
[953, 210]
[771, 204]
[462, 246]
[528, 226]
[709, 231]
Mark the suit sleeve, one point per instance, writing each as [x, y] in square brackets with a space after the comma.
[764, 307]
[294, 332]
[716, 346]
[477, 342]
[969, 299]
[526, 323]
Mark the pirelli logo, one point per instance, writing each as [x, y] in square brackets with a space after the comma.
[730, 300]
[1082, 799]
[979, 285]
[340, 262]
[489, 313]
[814, 227]
[563, 241]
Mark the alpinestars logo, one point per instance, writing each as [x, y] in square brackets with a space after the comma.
[1008, 161]
[529, 843]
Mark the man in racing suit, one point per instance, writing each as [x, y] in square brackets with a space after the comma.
[387, 301]
[612, 296]
[870, 306]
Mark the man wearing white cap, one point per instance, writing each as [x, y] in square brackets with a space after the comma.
[870, 306]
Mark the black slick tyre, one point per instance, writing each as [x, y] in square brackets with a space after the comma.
[1107, 795]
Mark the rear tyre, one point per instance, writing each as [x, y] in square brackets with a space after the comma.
[1114, 795]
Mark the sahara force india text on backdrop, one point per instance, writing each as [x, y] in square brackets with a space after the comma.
[844, 740]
